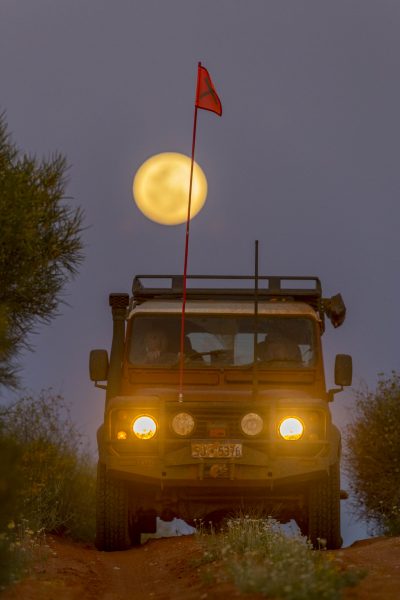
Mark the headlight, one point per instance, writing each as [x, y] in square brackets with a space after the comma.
[291, 428]
[252, 424]
[182, 423]
[144, 427]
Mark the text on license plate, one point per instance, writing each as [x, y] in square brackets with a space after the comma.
[216, 449]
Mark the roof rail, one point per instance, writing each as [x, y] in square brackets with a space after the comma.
[226, 287]
[241, 287]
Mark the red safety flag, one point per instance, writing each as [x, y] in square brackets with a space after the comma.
[206, 96]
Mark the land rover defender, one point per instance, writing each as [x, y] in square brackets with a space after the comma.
[252, 430]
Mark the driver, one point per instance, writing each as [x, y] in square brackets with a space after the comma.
[155, 344]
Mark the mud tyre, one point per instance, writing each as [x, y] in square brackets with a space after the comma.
[112, 518]
[336, 539]
[324, 511]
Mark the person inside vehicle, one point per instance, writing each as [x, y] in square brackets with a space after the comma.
[277, 349]
[158, 349]
[155, 344]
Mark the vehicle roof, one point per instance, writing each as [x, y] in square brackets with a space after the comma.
[225, 308]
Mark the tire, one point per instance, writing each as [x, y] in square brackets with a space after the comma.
[336, 540]
[112, 519]
[324, 511]
[100, 508]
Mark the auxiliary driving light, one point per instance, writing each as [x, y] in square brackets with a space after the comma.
[182, 424]
[252, 424]
[291, 428]
[144, 427]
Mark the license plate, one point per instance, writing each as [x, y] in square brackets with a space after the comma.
[225, 449]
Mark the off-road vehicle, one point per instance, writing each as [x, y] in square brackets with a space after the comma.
[252, 431]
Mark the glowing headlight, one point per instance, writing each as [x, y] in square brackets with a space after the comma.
[252, 424]
[291, 428]
[182, 423]
[144, 427]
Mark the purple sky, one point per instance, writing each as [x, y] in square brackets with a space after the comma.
[305, 157]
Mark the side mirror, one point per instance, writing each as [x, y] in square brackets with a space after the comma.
[98, 365]
[343, 369]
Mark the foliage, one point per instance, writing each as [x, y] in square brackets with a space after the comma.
[10, 482]
[56, 472]
[21, 550]
[260, 558]
[40, 246]
[373, 456]
[10, 476]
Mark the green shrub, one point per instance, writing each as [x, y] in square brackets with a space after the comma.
[21, 550]
[20, 546]
[10, 483]
[56, 470]
[260, 558]
[373, 455]
[10, 477]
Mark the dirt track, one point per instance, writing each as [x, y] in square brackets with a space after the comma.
[164, 569]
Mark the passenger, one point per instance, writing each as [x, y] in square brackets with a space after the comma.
[283, 350]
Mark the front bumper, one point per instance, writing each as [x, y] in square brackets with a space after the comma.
[266, 463]
[255, 468]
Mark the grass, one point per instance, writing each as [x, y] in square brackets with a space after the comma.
[22, 551]
[47, 481]
[257, 556]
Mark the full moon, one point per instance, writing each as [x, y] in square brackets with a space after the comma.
[161, 188]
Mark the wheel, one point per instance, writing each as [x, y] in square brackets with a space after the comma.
[324, 511]
[336, 538]
[100, 507]
[112, 523]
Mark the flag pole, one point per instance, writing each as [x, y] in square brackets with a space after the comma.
[182, 344]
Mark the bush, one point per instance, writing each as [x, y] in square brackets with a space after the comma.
[260, 558]
[373, 455]
[56, 490]
[21, 549]
[10, 482]
[10, 477]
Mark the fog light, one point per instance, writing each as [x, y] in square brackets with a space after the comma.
[252, 424]
[291, 428]
[144, 427]
[183, 424]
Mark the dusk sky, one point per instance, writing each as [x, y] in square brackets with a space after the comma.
[305, 157]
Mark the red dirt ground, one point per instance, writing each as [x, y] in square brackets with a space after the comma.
[164, 569]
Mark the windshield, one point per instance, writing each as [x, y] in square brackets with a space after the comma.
[214, 340]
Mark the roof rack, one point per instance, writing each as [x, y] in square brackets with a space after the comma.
[203, 287]
[306, 289]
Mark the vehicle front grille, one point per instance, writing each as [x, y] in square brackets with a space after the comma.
[212, 422]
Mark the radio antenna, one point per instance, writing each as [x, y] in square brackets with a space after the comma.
[255, 336]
